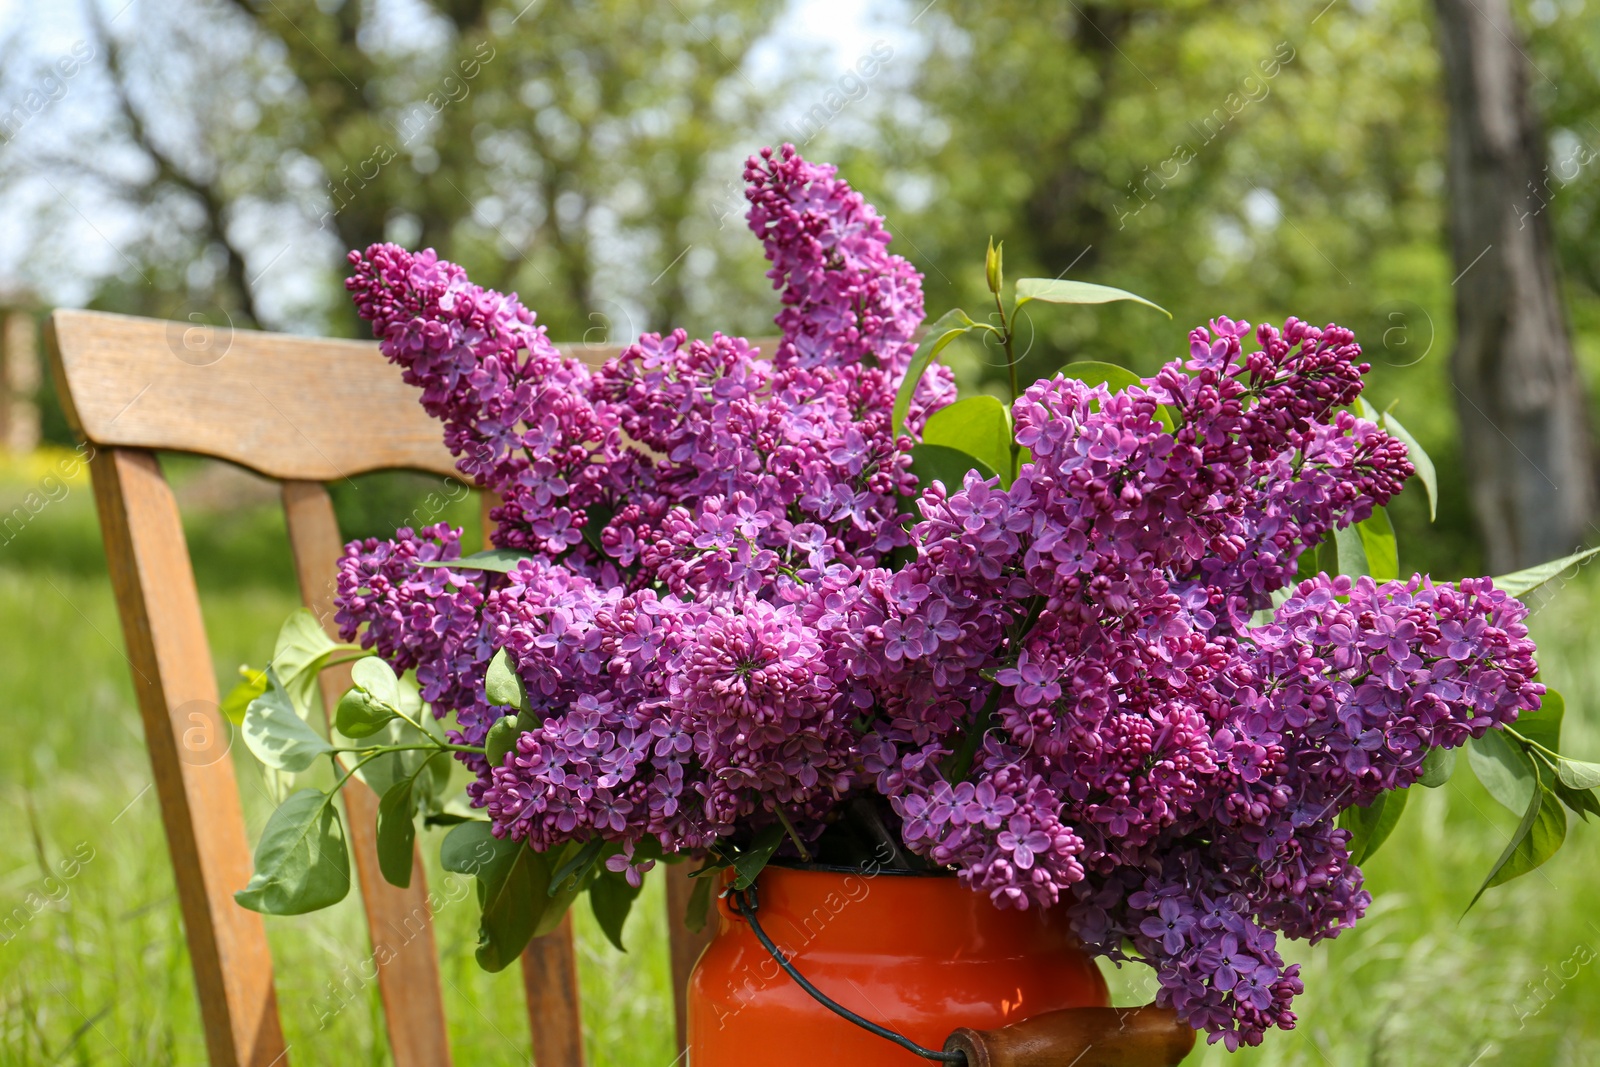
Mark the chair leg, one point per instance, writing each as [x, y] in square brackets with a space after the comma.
[686, 945]
[189, 745]
[550, 976]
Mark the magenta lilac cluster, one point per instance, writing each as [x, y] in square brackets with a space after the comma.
[732, 609]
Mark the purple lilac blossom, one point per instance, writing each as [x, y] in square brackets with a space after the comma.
[1059, 690]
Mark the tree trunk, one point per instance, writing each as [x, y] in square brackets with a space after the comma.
[1524, 424]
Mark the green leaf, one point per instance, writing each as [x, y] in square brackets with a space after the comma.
[576, 867]
[979, 426]
[502, 686]
[1115, 378]
[378, 679]
[1310, 562]
[1419, 459]
[448, 818]
[302, 650]
[1582, 801]
[1093, 372]
[1505, 770]
[611, 898]
[936, 339]
[1371, 826]
[1537, 837]
[556, 905]
[1437, 767]
[276, 735]
[752, 860]
[277, 784]
[932, 463]
[1378, 544]
[397, 832]
[502, 738]
[513, 884]
[1352, 553]
[1521, 583]
[1062, 291]
[360, 715]
[301, 863]
[434, 783]
[499, 560]
[469, 847]
[234, 705]
[1577, 774]
[699, 907]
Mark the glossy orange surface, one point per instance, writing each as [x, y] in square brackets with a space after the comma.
[921, 955]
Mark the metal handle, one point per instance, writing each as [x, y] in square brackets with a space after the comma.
[1080, 1037]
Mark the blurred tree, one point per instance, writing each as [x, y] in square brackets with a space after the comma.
[541, 145]
[1255, 159]
[1524, 419]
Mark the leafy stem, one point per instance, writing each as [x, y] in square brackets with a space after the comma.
[432, 746]
[1546, 752]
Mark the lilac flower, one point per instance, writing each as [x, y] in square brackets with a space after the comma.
[1057, 686]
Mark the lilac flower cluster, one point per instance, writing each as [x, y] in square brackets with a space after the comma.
[727, 616]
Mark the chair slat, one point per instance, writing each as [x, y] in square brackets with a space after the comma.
[399, 920]
[306, 408]
[684, 944]
[550, 978]
[189, 742]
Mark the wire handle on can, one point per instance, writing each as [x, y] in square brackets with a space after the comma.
[744, 902]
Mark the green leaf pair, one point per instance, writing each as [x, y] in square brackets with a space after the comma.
[372, 702]
[277, 701]
[1522, 768]
[978, 431]
[301, 862]
[503, 687]
[1537, 837]
[517, 890]
[302, 650]
[275, 733]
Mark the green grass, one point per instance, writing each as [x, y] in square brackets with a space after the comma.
[96, 972]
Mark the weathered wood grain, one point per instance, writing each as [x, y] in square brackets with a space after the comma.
[189, 742]
[305, 408]
[685, 944]
[399, 920]
[550, 977]
[290, 407]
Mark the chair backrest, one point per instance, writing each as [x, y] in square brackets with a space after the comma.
[304, 411]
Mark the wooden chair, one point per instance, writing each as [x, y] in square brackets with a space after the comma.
[304, 411]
